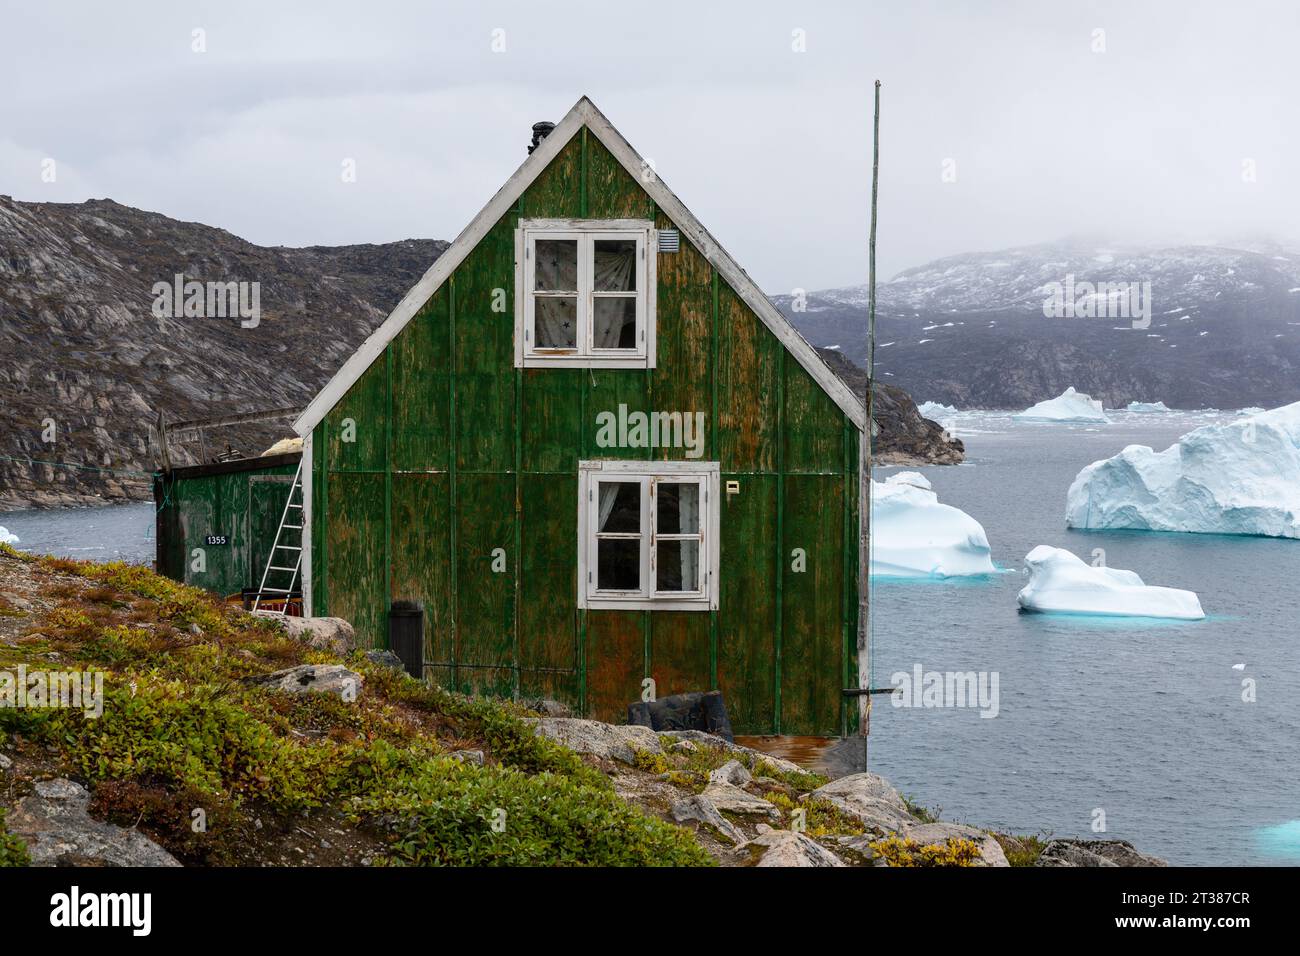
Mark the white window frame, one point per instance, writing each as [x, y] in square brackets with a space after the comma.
[585, 232]
[650, 474]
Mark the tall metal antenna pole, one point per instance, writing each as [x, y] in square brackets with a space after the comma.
[865, 575]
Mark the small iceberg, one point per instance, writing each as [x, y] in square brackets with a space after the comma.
[6, 537]
[1252, 410]
[914, 536]
[1061, 583]
[932, 410]
[1235, 477]
[1280, 839]
[1070, 406]
[1148, 407]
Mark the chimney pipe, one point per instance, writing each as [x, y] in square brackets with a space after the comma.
[540, 132]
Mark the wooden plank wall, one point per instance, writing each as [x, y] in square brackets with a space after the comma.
[228, 504]
[448, 476]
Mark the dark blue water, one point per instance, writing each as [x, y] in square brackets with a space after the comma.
[1142, 719]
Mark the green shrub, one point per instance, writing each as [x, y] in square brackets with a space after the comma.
[13, 851]
[451, 813]
[904, 851]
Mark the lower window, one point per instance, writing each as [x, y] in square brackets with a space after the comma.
[648, 535]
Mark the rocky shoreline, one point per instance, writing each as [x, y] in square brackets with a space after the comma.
[740, 809]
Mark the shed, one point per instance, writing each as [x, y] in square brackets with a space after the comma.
[215, 523]
[601, 459]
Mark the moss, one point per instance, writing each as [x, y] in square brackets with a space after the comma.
[650, 761]
[820, 818]
[1022, 850]
[13, 851]
[181, 729]
[906, 852]
[921, 812]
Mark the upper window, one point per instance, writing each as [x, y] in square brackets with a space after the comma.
[648, 535]
[584, 293]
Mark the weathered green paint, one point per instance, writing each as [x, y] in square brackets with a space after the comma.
[241, 500]
[461, 460]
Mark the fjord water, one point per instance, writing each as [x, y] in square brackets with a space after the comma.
[1137, 718]
[1141, 719]
[104, 533]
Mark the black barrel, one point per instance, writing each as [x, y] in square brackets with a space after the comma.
[406, 635]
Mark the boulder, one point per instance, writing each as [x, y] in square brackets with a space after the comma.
[698, 710]
[703, 810]
[729, 797]
[857, 850]
[385, 658]
[1095, 853]
[549, 708]
[313, 679]
[610, 741]
[871, 799]
[733, 772]
[788, 848]
[330, 634]
[5, 762]
[468, 756]
[990, 850]
[58, 831]
[700, 738]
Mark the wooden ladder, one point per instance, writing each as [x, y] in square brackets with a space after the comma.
[274, 563]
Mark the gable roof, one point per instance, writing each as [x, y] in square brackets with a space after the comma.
[584, 113]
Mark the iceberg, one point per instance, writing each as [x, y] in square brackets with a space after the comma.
[1060, 582]
[1070, 406]
[931, 410]
[1237, 477]
[1147, 407]
[913, 535]
[6, 537]
[1252, 410]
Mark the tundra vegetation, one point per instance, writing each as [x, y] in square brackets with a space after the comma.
[193, 752]
[183, 731]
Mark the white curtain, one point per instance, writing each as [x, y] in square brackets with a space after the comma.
[556, 325]
[608, 495]
[613, 272]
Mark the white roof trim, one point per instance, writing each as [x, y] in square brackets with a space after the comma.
[583, 113]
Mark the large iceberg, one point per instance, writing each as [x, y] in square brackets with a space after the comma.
[932, 410]
[1147, 407]
[6, 537]
[1238, 477]
[913, 535]
[1070, 406]
[1062, 583]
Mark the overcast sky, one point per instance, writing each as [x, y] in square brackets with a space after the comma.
[1157, 138]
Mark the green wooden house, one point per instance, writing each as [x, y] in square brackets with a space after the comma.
[602, 460]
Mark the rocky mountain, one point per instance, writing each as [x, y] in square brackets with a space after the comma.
[970, 330]
[86, 364]
[901, 436]
[84, 360]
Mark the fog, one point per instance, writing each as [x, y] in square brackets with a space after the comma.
[1002, 123]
